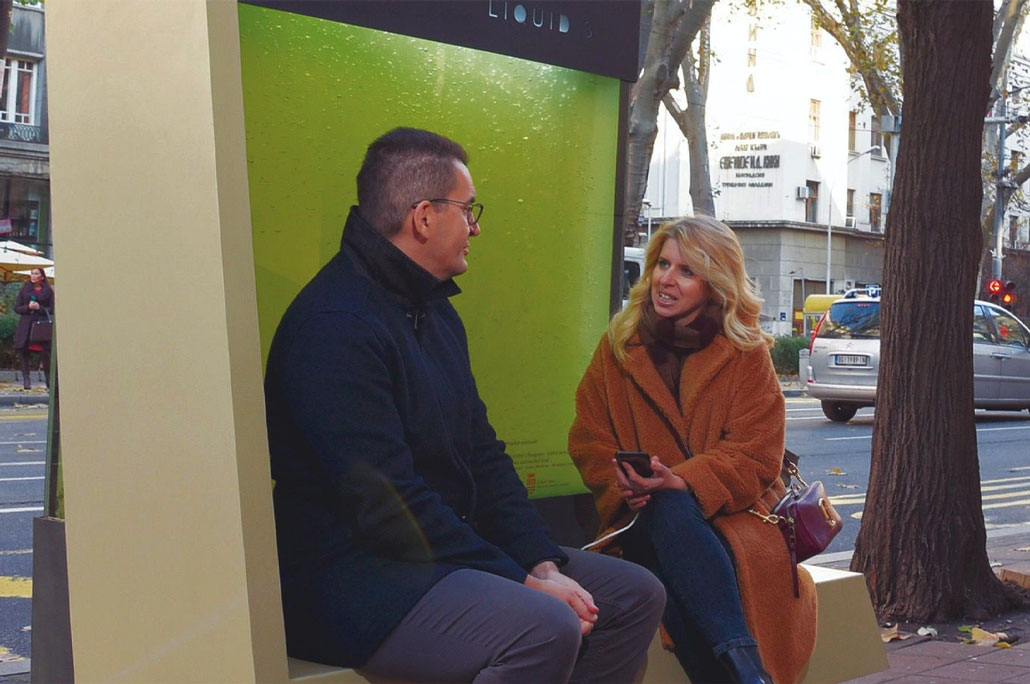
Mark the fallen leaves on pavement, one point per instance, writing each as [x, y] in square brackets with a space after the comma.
[890, 633]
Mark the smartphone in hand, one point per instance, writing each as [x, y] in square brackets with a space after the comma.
[640, 461]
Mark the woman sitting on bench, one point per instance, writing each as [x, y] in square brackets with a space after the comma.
[684, 374]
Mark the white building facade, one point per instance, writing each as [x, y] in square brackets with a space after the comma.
[800, 169]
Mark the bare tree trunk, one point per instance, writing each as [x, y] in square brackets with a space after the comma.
[675, 24]
[922, 540]
[692, 121]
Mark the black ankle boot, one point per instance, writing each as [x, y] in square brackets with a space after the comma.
[745, 666]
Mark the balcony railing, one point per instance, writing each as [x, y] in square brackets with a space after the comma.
[22, 133]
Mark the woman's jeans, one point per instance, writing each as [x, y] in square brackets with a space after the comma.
[703, 613]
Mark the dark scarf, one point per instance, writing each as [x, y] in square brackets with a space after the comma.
[668, 342]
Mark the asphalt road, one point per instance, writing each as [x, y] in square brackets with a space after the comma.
[22, 453]
[838, 454]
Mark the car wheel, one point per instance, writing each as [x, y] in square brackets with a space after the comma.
[838, 411]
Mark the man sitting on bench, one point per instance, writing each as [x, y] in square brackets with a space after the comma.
[407, 544]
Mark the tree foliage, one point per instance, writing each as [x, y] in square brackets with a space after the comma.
[868, 35]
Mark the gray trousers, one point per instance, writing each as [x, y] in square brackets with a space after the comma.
[476, 627]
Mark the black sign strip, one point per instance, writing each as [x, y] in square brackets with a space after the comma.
[595, 36]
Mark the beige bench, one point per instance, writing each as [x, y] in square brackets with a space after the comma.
[847, 642]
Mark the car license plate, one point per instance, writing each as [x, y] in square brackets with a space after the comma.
[851, 360]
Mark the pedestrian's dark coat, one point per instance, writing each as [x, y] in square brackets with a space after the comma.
[21, 306]
[731, 417]
[388, 475]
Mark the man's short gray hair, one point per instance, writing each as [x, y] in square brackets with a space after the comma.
[403, 167]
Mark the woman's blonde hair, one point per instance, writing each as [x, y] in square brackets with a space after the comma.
[712, 252]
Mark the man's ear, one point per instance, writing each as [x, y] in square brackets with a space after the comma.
[421, 221]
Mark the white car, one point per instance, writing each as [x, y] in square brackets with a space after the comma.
[844, 359]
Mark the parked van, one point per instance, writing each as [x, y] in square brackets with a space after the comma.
[844, 359]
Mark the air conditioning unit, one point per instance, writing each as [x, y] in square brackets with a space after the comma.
[803, 192]
[815, 151]
[849, 222]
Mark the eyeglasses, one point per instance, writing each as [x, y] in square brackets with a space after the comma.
[472, 211]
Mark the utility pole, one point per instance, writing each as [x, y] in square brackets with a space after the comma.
[1004, 187]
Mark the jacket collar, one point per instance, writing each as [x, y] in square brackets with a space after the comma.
[698, 370]
[390, 267]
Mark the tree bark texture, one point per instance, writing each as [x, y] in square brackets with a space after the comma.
[922, 540]
[693, 124]
[675, 24]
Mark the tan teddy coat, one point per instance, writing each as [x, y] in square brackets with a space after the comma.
[732, 419]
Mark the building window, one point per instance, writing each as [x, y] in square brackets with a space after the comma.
[850, 212]
[750, 83]
[752, 57]
[817, 33]
[1013, 230]
[851, 131]
[24, 205]
[813, 120]
[876, 133]
[875, 203]
[19, 79]
[812, 203]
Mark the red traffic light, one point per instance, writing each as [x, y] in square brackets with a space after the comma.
[994, 287]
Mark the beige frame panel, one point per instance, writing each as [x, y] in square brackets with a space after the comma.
[171, 547]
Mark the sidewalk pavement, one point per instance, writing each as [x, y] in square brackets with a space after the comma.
[944, 659]
[14, 395]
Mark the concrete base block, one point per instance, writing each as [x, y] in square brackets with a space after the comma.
[847, 643]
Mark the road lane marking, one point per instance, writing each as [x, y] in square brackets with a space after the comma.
[1005, 479]
[31, 416]
[806, 418]
[838, 439]
[19, 479]
[1007, 504]
[38, 441]
[23, 463]
[30, 509]
[859, 499]
[15, 587]
[15, 552]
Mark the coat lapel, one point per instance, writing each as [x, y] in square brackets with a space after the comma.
[699, 371]
[644, 375]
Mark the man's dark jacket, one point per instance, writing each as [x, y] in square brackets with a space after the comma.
[388, 475]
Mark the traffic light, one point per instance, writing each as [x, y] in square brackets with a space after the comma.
[994, 289]
[1008, 296]
[1003, 294]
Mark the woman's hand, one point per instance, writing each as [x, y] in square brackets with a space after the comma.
[33, 305]
[636, 490]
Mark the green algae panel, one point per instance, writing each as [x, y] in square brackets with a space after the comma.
[542, 146]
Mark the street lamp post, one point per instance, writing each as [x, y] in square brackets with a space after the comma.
[829, 216]
[1004, 187]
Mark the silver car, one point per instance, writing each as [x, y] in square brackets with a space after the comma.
[845, 358]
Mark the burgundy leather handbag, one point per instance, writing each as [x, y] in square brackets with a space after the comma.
[806, 519]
